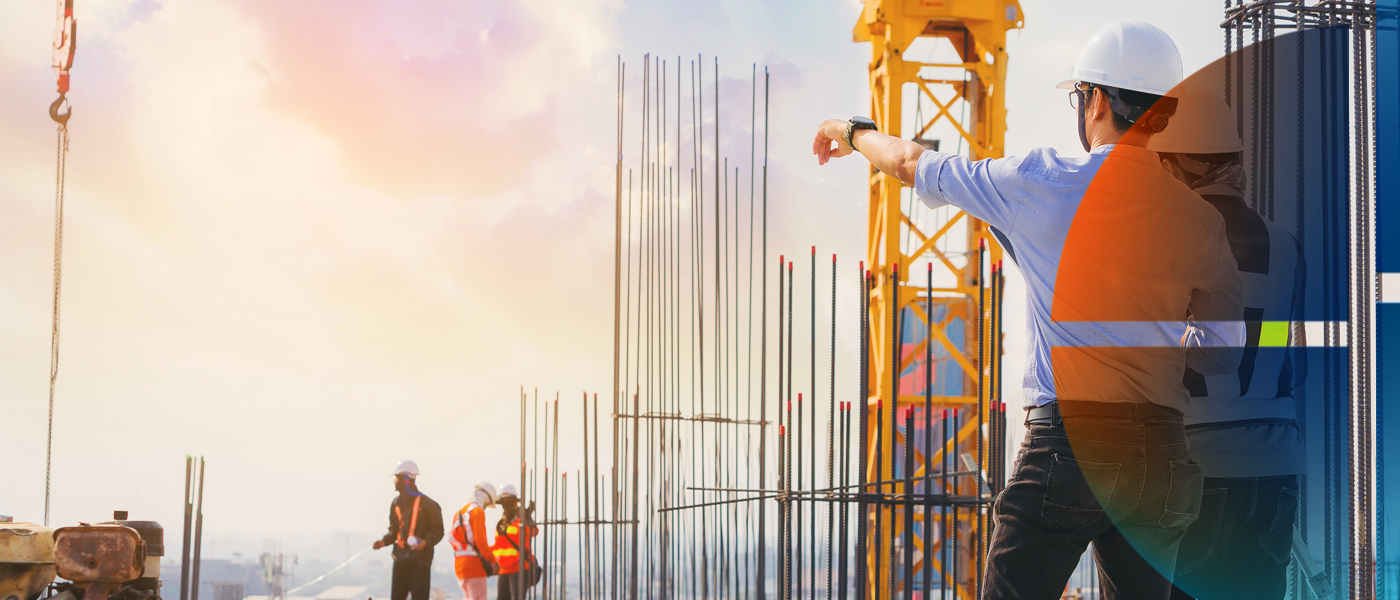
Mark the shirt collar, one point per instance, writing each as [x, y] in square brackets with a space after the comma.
[1134, 153]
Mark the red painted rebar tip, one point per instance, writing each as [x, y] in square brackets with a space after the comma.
[994, 266]
[789, 405]
[833, 259]
[799, 398]
[879, 403]
[781, 259]
[814, 250]
[999, 263]
[862, 266]
[896, 267]
[981, 243]
[781, 429]
[789, 265]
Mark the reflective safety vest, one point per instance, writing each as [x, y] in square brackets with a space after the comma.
[470, 550]
[402, 542]
[506, 553]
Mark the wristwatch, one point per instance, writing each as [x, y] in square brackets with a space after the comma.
[857, 123]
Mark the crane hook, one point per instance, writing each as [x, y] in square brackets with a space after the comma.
[60, 118]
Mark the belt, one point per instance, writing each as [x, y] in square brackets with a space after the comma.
[1055, 411]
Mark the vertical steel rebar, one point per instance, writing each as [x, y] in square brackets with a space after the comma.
[945, 576]
[831, 442]
[759, 580]
[896, 351]
[879, 494]
[198, 535]
[189, 518]
[863, 523]
[908, 504]
[812, 406]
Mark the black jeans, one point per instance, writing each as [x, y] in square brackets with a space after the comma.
[411, 576]
[508, 586]
[1124, 484]
[1240, 547]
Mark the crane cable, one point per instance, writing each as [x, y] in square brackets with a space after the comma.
[64, 44]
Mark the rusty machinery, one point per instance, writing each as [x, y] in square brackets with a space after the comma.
[965, 302]
[117, 560]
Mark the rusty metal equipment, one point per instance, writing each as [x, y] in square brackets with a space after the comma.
[99, 558]
[26, 560]
[116, 560]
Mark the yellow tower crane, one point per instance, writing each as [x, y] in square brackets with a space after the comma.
[976, 30]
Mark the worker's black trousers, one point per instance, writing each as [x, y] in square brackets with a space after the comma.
[508, 586]
[411, 576]
[1240, 547]
[1124, 484]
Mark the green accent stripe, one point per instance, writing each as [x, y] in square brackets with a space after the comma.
[1273, 334]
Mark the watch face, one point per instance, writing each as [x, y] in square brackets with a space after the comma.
[862, 123]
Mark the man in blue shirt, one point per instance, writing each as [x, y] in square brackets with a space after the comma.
[1119, 259]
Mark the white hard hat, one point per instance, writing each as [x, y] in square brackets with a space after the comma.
[407, 467]
[1128, 55]
[1203, 124]
[490, 490]
[509, 490]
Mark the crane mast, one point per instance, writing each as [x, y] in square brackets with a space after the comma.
[956, 309]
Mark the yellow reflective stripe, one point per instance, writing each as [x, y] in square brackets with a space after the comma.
[510, 552]
[1273, 334]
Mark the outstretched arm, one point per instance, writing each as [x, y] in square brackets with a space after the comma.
[889, 154]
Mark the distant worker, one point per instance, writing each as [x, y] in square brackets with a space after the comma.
[474, 558]
[1119, 258]
[415, 526]
[1241, 427]
[513, 533]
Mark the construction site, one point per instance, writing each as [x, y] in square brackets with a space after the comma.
[785, 421]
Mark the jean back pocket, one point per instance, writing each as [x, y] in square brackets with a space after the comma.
[1076, 491]
[1183, 501]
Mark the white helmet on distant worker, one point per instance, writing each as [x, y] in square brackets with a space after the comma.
[1203, 124]
[509, 490]
[488, 489]
[406, 467]
[1128, 55]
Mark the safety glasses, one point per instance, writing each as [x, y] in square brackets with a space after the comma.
[1080, 94]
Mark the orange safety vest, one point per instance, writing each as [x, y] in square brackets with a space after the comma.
[402, 542]
[506, 554]
[468, 541]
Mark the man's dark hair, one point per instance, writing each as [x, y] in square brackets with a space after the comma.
[1142, 101]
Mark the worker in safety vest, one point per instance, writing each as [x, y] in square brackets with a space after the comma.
[512, 542]
[415, 526]
[1119, 258]
[473, 554]
[1241, 427]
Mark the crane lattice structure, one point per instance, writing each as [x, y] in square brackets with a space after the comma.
[976, 29]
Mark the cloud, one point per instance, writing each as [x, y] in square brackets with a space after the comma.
[452, 98]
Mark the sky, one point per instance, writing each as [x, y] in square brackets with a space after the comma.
[307, 239]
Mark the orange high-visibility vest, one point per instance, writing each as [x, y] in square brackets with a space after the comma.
[402, 542]
[469, 546]
[506, 554]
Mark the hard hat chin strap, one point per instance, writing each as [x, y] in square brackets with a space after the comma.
[1083, 136]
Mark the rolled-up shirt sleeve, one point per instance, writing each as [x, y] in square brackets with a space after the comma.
[988, 189]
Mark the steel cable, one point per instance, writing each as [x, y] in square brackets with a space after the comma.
[61, 175]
